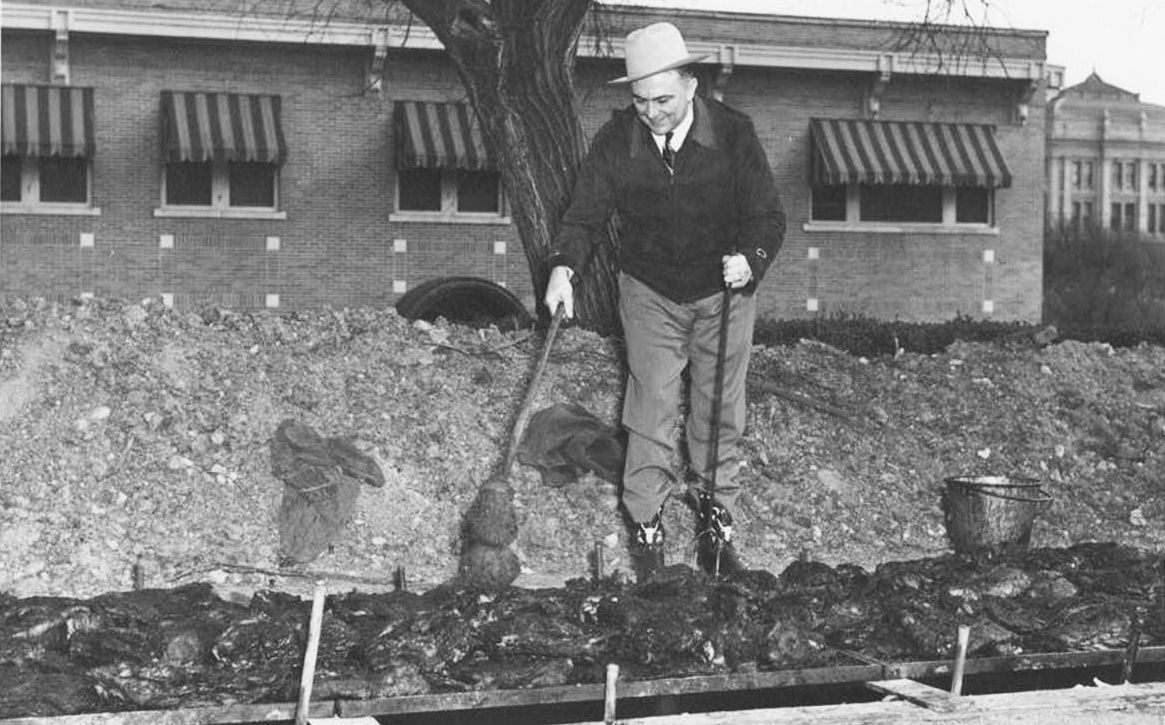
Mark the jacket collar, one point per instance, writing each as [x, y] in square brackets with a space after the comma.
[702, 131]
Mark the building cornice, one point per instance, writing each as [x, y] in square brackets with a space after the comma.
[269, 29]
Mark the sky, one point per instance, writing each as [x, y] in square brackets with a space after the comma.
[1122, 40]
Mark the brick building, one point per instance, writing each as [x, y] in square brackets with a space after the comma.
[1106, 160]
[250, 160]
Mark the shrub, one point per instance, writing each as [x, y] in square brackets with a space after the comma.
[1098, 278]
[1099, 286]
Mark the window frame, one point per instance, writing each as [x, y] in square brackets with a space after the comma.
[30, 203]
[948, 224]
[449, 213]
[220, 194]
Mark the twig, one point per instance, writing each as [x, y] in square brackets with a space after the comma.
[799, 398]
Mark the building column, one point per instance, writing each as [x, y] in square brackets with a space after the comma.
[1105, 192]
[1142, 195]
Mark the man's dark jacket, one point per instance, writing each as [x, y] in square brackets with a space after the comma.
[675, 228]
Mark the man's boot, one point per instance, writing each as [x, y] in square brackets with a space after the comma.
[647, 541]
[715, 552]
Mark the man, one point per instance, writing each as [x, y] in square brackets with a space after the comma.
[699, 214]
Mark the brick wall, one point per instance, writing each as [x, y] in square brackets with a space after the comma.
[909, 276]
[338, 245]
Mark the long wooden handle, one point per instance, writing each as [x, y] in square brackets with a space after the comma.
[524, 412]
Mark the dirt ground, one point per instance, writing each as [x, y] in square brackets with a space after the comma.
[135, 444]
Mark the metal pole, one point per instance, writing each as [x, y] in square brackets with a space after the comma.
[717, 403]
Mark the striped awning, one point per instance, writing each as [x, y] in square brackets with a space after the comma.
[439, 136]
[222, 126]
[897, 152]
[45, 121]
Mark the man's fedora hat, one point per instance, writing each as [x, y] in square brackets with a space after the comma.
[655, 49]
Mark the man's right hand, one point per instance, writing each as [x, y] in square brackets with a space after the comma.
[559, 289]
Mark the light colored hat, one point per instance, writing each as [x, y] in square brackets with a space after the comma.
[655, 49]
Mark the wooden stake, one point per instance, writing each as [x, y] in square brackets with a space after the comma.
[599, 560]
[309, 659]
[1130, 658]
[609, 698]
[960, 660]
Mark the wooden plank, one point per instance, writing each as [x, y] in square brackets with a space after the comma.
[1022, 663]
[729, 682]
[926, 696]
[214, 715]
[627, 689]
[1142, 704]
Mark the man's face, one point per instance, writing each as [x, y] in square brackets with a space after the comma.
[663, 100]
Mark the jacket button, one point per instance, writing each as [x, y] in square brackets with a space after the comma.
[761, 253]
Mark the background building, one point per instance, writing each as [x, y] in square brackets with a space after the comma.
[211, 155]
[1106, 160]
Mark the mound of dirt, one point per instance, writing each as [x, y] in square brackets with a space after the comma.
[136, 451]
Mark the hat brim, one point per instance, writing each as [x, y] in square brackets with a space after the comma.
[670, 66]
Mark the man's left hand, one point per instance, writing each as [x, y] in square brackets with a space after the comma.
[737, 273]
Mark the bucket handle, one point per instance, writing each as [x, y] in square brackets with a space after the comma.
[1041, 496]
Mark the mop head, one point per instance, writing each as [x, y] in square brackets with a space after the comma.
[491, 518]
[487, 568]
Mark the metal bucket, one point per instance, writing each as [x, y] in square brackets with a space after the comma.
[991, 513]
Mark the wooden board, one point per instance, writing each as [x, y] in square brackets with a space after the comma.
[187, 716]
[1141, 704]
[919, 694]
[726, 683]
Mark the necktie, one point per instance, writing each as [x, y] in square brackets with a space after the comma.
[669, 154]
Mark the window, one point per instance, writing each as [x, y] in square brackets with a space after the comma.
[972, 205]
[48, 145]
[448, 192]
[1087, 174]
[901, 203]
[419, 190]
[1130, 217]
[1152, 228]
[1115, 222]
[891, 173]
[1076, 215]
[33, 181]
[478, 192]
[1131, 175]
[220, 185]
[222, 153]
[1117, 175]
[10, 170]
[444, 169]
[904, 204]
[829, 203]
[1088, 214]
[1153, 177]
[1076, 165]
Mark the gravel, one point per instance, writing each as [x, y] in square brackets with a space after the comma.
[135, 445]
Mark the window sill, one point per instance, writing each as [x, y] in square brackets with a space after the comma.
[208, 213]
[10, 207]
[891, 228]
[439, 218]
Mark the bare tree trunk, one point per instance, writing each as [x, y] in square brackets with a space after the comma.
[515, 59]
